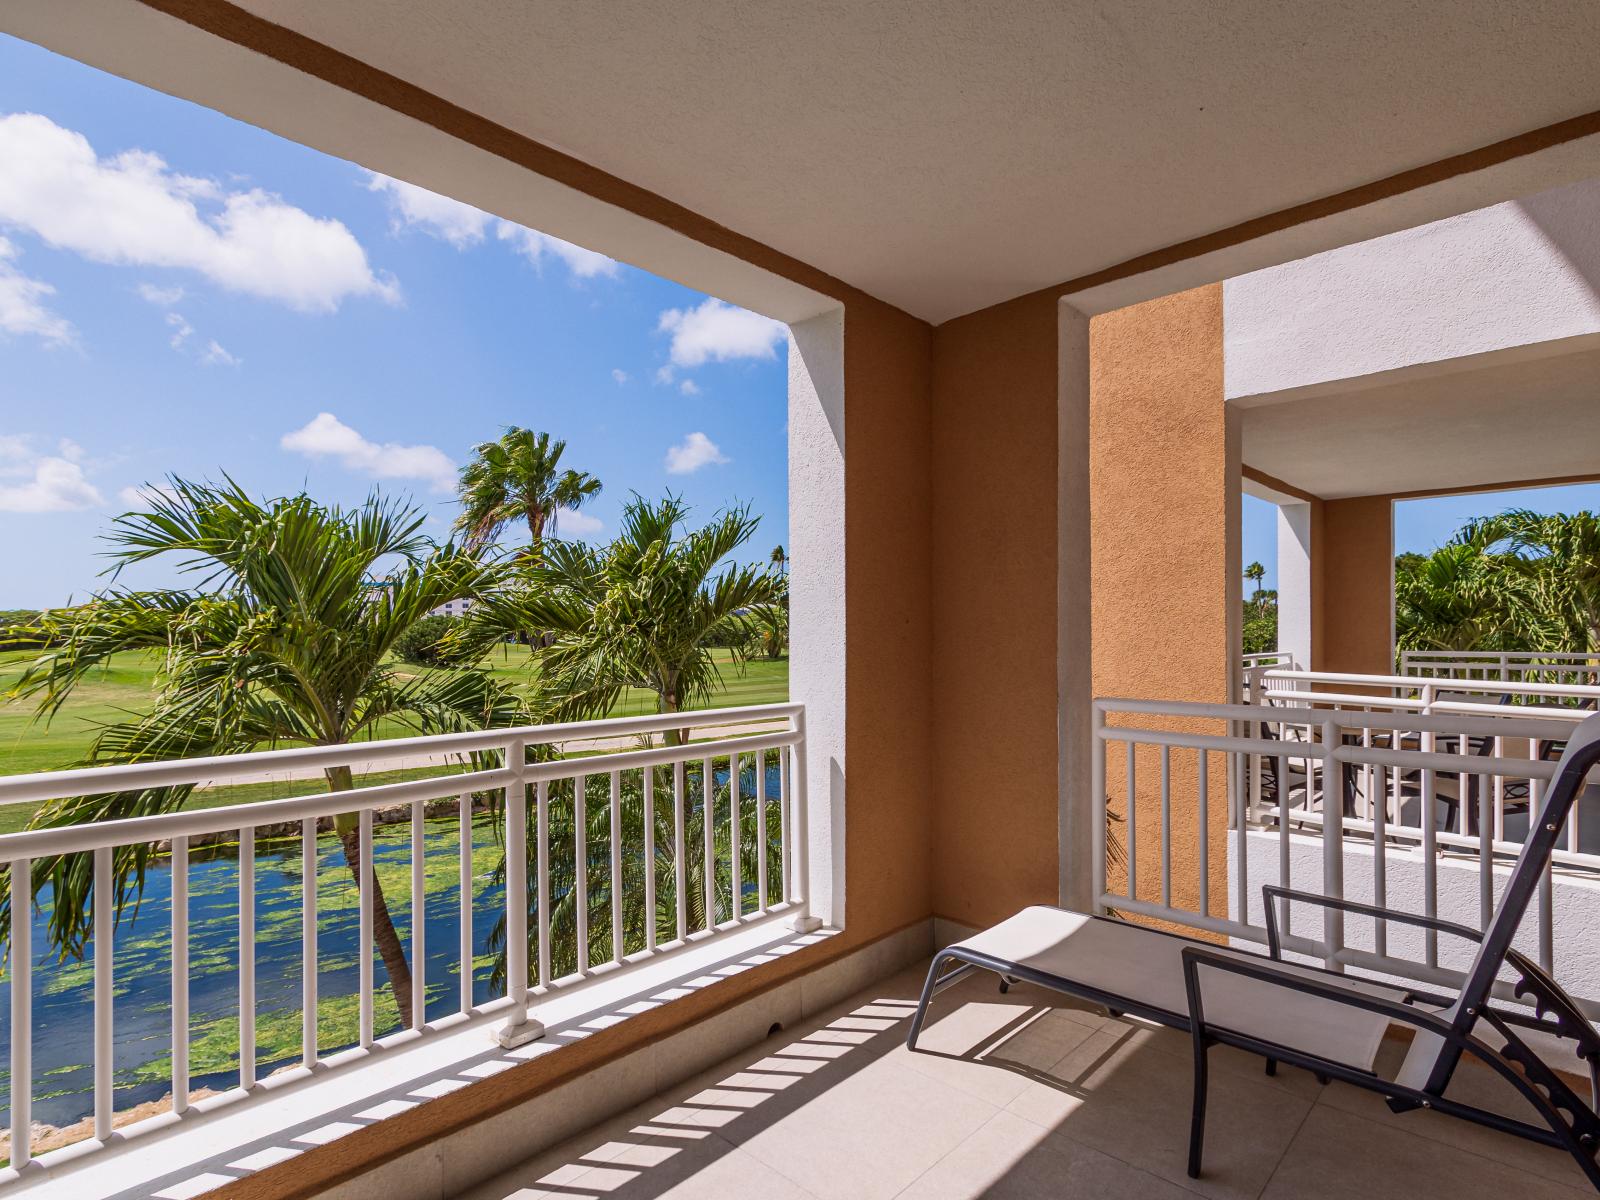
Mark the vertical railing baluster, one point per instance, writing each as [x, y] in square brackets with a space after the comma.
[464, 902]
[1133, 827]
[180, 974]
[680, 847]
[542, 862]
[761, 831]
[103, 956]
[708, 825]
[647, 784]
[1486, 851]
[1380, 853]
[364, 936]
[247, 957]
[1201, 807]
[21, 884]
[1166, 826]
[1333, 769]
[1283, 825]
[419, 917]
[1098, 801]
[308, 942]
[736, 867]
[616, 867]
[580, 853]
[1430, 856]
[517, 1028]
[786, 837]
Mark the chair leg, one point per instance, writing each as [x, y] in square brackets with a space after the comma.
[928, 989]
[1272, 1066]
[1197, 1117]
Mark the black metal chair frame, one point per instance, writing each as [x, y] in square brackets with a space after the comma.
[1466, 1019]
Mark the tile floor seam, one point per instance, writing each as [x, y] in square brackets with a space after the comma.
[1289, 1144]
[1451, 1146]
[953, 1149]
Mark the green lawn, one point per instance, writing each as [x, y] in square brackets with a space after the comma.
[124, 688]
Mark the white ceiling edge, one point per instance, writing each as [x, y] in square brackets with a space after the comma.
[1567, 163]
[135, 42]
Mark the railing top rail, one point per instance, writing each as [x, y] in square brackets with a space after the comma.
[1456, 685]
[1570, 716]
[1496, 656]
[50, 785]
[1519, 725]
[72, 839]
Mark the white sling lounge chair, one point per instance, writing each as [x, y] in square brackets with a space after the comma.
[1327, 1022]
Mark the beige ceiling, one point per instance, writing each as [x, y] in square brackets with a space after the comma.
[948, 154]
[1501, 418]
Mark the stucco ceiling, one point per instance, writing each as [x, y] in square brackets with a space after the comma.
[948, 154]
[1500, 418]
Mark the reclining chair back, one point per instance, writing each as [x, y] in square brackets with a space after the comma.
[1581, 755]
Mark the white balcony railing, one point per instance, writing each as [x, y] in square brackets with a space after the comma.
[721, 786]
[1512, 667]
[1431, 808]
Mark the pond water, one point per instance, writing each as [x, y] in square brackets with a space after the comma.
[63, 990]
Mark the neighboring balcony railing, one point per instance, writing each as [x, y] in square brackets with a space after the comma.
[719, 842]
[1557, 668]
[1428, 811]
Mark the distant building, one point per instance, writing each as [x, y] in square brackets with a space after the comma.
[452, 608]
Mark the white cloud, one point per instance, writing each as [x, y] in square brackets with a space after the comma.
[413, 207]
[325, 436]
[716, 332]
[462, 225]
[689, 387]
[48, 483]
[181, 330]
[619, 375]
[13, 446]
[695, 451]
[70, 450]
[215, 356]
[22, 307]
[533, 246]
[160, 296]
[665, 374]
[132, 210]
[570, 523]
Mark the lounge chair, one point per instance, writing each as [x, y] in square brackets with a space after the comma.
[1327, 1022]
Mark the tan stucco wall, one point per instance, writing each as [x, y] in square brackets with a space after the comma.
[1163, 477]
[1353, 586]
[993, 522]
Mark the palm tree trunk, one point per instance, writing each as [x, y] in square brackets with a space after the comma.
[383, 930]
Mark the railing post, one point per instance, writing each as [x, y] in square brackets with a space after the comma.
[1097, 797]
[519, 1028]
[799, 802]
[1332, 840]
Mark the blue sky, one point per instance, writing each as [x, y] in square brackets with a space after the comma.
[240, 303]
[1419, 525]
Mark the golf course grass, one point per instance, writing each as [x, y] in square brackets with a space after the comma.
[124, 689]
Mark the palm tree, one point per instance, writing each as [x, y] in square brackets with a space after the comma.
[1255, 573]
[779, 559]
[643, 612]
[282, 640]
[1558, 555]
[518, 478]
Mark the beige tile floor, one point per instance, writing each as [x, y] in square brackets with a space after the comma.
[1018, 1096]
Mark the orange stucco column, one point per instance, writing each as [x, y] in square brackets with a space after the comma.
[1164, 491]
[993, 585]
[1353, 586]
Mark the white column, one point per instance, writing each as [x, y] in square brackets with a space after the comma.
[1075, 828]
[1294, 582]
[817, 555]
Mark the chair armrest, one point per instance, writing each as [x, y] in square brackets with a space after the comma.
[1327, 987]
[1272, 891]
